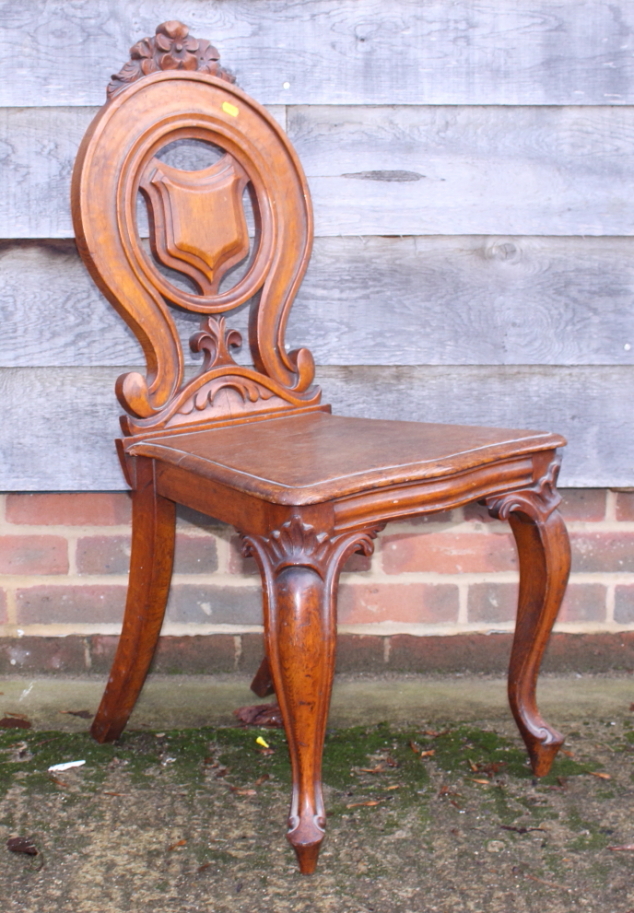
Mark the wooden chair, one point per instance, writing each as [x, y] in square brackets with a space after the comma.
[254, 446]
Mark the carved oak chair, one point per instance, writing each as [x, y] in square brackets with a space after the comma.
[254, 446]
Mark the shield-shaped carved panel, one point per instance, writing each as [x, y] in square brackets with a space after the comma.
[197, 220]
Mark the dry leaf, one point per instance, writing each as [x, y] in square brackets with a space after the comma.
[14, 722]
[82, 714]
[242, 792]
[262, 779]
[394, 786]
[600, 775]
[368, 804]
[260, 715]
[482, 782]
[205, 865]
[489, 770]
[626, 848]
[549, 884]
[429, 753]
[22, 845]
[521, 830]
[58, 782]
[569, 754]
[445, 791]
[178, 843]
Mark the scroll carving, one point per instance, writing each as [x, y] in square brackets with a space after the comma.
[223, 389]
[171, 48]
[537, 502]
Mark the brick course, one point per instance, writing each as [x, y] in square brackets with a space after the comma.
[448, 553]
[70, 604]
[111, 555]
[33, 555]
[69, 509]
[64, 559]
[413, 603]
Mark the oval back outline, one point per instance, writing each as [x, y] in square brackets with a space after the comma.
[104, 226]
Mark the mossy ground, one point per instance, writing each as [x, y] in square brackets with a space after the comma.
[421, 820]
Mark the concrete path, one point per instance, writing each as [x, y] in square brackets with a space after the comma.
[192, 701]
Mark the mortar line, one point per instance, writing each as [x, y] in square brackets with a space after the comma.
[610, 598]
[610, 505]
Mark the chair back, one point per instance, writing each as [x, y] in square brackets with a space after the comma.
[173, 90]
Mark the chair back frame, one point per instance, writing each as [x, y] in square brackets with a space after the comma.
[197, 228]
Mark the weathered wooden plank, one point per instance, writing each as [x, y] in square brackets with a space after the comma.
[367, 301]
[38, 147]
[387, 171]
[65, 443]
[339, 51]
[467, 170]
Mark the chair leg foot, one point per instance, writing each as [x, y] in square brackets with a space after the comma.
[544, 558]
[307, 856]
[153, 528]
[300, 568]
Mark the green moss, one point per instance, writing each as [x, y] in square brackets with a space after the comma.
[591, 841]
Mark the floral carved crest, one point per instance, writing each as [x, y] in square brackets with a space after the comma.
[171, 48]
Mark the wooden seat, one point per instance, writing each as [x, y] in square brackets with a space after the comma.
[310, 458]
[254, 446]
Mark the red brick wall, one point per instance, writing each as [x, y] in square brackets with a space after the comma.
[64, 558]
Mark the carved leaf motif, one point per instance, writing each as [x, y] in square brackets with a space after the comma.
[172, 48]
[297, 543]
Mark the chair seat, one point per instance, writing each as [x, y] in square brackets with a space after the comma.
[309, 458]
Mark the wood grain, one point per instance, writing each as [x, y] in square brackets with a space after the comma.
[37, 150]
[467, 170]
[385, 170]
[339, 51]
[590, 406]
[442, 300]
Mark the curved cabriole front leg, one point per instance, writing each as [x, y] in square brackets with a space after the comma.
[300, 570]
[544, 557]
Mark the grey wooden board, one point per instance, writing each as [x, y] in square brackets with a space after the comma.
[386, 170]
[38, 147]
[366, 301]
[468, 170]
[338, 51]
[58, 423]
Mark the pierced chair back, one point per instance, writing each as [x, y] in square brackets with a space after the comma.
[198, 230]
